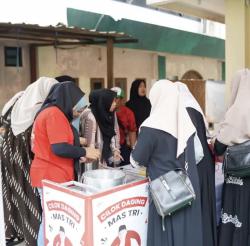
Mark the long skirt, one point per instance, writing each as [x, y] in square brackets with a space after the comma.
[206, 170]
[22, 209]
[183, 228]
[235, 214]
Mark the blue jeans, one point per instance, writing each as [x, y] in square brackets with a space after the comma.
[40, 239]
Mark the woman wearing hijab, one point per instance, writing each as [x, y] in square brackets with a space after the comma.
[166, 142]
[206, 167]
[99, 126]
[127, 126]
[77, 111]
[5, 116]
[235, 129]
[79, 107]
[65, 78]
[22, 209]
[138, 102]
[11, 102]
[54, 140]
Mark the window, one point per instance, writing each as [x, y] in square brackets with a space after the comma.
[13, 56]
[96, 83]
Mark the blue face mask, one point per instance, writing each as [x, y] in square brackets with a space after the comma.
[82, 103]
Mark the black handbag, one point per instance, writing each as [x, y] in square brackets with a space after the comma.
[171, 192]
[237, 160]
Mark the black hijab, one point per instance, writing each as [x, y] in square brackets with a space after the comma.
[64, 78]
[100, 103]
[65, 96]
[140, 105]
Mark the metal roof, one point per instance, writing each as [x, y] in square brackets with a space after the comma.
[59, 35]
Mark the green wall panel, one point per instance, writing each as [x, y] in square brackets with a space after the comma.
[223, 70]
[152, 37]
[161, 67]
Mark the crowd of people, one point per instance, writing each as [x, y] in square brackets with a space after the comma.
[51, 130]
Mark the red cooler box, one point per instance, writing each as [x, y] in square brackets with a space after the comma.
[78, 215]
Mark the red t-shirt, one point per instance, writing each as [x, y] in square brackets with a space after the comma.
[126, 121]
[51, 126]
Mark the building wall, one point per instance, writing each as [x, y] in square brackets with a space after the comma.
[13, 79]
[87, 62]
[177, 65]
[215, 101]
[91, 62]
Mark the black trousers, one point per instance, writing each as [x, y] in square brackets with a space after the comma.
[125, 153]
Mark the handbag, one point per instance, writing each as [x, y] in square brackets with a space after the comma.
[172, 192]
[237, 160]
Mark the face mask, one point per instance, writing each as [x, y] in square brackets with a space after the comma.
[79, 106]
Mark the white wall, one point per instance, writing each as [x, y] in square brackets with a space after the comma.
[13, 79]
[90, 61]
[215, 101]
[178, 65]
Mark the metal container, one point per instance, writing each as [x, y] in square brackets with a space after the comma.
[87, 166]
[83, 188]
[104, 178]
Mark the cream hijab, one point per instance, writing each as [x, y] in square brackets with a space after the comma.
[168, 113]
[189, 100]
[11, 102]
[235, 128]
[26, 107]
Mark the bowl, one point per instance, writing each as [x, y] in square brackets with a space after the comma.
[104, 178]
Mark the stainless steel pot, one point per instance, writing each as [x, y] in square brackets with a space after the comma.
[90, 165]
[104, 178]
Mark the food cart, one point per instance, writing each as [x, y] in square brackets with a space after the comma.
[81, 215]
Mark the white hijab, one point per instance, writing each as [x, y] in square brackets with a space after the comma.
[11, 102]
[190, 101]
[26, 107]
[169, 114]
[235, 128]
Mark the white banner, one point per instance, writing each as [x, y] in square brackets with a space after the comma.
[121, 218]
[64, 218]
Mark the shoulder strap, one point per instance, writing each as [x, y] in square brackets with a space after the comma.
[185, 160]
